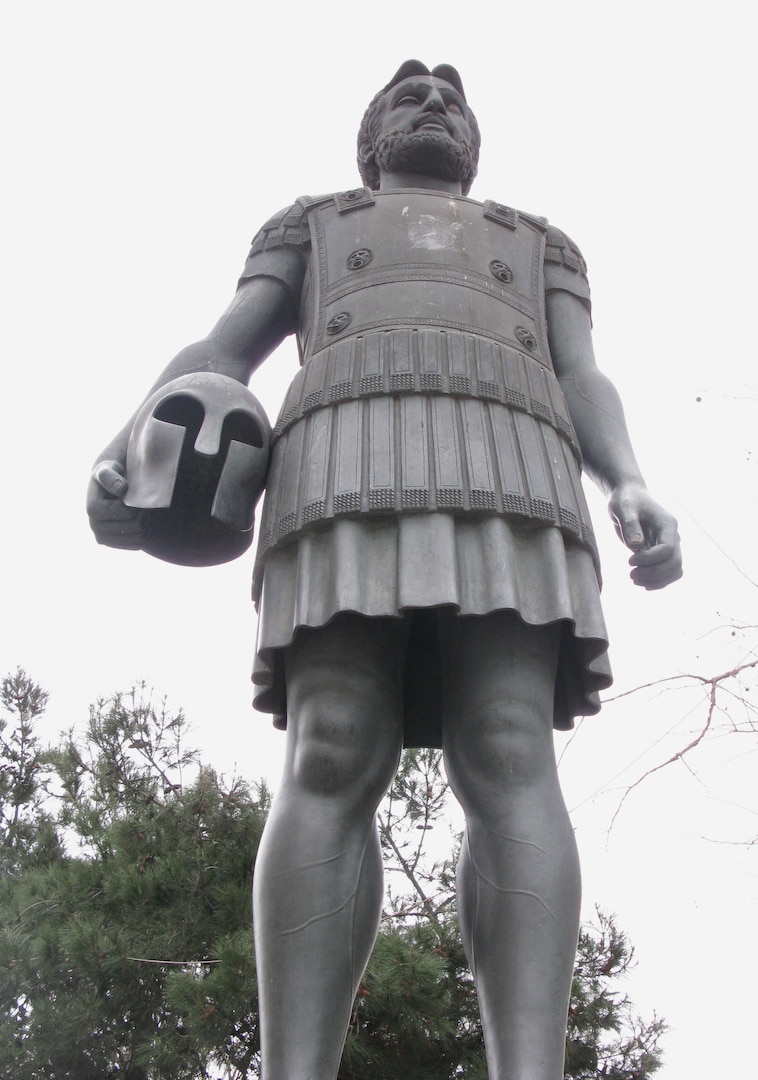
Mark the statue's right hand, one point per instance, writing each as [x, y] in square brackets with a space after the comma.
[113, 523]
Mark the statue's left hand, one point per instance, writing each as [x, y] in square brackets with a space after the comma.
[113, 523]
[650, 532]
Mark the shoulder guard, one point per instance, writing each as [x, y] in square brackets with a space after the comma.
[289, 226]
[564, 267]
[562, 251]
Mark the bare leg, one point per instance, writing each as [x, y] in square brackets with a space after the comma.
[518, 878]
[318, 877]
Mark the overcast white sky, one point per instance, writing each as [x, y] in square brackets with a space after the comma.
[145, 144]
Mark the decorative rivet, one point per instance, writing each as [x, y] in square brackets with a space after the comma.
[526, 337]
[356, 260]
[338, 322]
[351, 196]
[501, 270]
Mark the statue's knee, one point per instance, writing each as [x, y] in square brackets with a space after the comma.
[503, 746]
[326, 752]
[339, 749]
[343, 712]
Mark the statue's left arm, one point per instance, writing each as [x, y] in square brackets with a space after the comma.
[258, 319]
[598, 418]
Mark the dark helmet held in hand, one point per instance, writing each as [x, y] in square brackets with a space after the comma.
[197, 461]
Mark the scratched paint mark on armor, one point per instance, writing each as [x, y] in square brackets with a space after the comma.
[435, 234]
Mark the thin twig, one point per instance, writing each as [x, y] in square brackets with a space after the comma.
[175, 963]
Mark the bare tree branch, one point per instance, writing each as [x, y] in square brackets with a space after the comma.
[717, 688]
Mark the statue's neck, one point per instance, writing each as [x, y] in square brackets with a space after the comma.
[390, 181]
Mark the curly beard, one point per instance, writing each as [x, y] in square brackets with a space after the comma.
[431, 153]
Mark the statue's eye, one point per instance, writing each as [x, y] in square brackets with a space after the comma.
[453, 106]
[407, 99]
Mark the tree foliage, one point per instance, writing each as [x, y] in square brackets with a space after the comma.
[26, 831]
[605, 1038]
[127, 950]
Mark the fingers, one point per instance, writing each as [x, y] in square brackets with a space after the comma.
[651, 533]
[626, 510]
[659, 562]
[117, 525]
[657, 566]
[110, 476]
[113, 524]
[630, 531]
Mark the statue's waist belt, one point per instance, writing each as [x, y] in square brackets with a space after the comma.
[428, 362]
[423, 432]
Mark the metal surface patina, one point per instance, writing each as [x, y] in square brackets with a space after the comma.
[426, 571]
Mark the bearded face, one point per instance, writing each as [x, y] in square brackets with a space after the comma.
[419, 125]
[429, 151]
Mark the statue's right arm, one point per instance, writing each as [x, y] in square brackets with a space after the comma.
[261, 315]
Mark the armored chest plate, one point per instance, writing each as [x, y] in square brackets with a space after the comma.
[416, 259]
[426, 384]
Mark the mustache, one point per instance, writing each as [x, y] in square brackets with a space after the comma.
[439, 118]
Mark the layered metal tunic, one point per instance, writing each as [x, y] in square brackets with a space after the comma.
[424, 458]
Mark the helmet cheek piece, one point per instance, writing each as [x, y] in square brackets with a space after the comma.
[196, 462]
[236, 496]
[152, 461]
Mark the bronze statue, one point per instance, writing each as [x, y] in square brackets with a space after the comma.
[426, 570]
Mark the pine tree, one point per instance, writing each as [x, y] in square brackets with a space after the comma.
[605, 1038]
[127, 950]
[26, 831]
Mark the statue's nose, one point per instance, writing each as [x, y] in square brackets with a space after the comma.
[434, 103]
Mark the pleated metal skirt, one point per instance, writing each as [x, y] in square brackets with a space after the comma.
[470, 566]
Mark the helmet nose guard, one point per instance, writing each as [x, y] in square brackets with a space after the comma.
[196, 462]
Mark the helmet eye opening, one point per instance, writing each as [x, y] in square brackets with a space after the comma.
[240, 427]
[196, 462]
[184, 410]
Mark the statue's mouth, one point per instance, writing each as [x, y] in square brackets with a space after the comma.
[432, 120]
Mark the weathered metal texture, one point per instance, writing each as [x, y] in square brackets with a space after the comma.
[196, 462]
[439, 397]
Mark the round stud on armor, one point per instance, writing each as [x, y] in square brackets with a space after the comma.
[501, 271]
[526, 337]
[338, 322]
[356, 260]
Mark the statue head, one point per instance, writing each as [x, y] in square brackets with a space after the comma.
[420, 122]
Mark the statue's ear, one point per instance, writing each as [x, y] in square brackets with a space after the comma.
[365, 152]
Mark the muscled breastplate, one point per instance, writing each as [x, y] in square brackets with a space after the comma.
[426, 383]
[417, 259]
